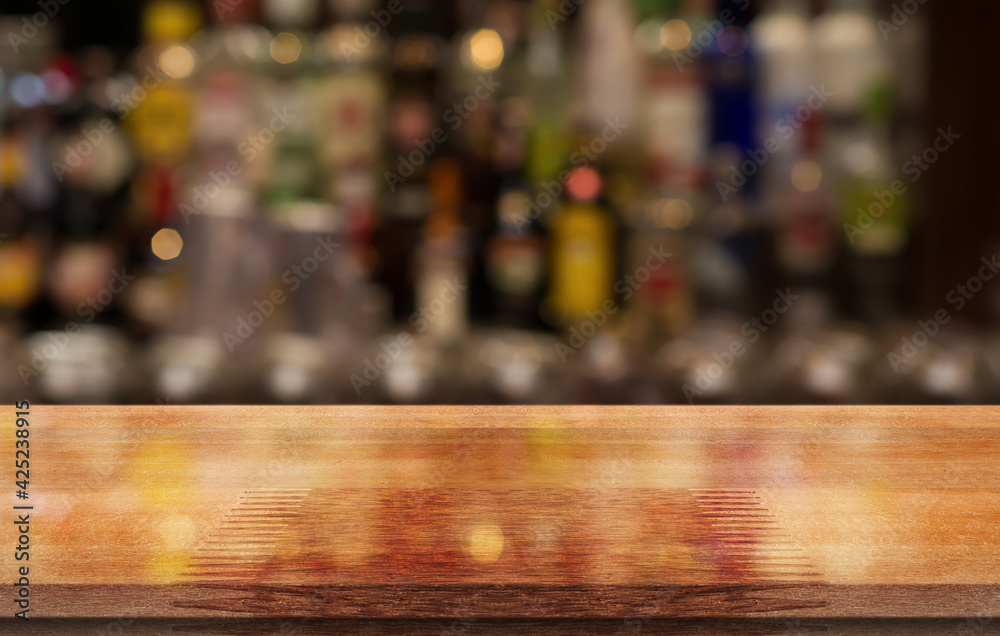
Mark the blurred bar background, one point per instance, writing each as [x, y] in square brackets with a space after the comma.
[498, 201]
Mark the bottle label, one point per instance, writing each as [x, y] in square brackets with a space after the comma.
[582, 263]
[162, 123]
[515, 266]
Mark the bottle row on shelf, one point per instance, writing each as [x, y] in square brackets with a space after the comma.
[246, 201]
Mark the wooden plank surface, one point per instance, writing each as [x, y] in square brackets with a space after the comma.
[475, 512]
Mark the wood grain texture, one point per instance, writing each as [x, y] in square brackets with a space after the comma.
[474, 512]
[307, 626]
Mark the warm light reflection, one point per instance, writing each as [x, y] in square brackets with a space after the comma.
[166, 244]
[806, 176]
[674, 214]
[675, 34]
[486, 543]
[286, 48]
[485, 49]
[177, 61]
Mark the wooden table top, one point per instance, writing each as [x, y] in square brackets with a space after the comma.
[215, 511]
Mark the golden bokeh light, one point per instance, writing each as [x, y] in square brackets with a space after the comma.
[675, 34]
[286, 48]
[176, 61]
[486, 543]
[166, 244]
[806, 176]
[675, 214]
[485, 49]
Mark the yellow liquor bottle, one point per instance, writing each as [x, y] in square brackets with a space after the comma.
[20, 253]
[582, 250]
[160, 108]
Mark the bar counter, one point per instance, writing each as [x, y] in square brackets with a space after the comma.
[508, 512]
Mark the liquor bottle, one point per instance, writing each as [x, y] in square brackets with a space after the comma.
[93, 163]
[663, 215]
[229, 54]
[87, 277]
[288, 98]
[780, 36]
[514, 261]
[608, 131]
[734, 226]
[729, 65]
[794, 179]
[608, 65]
[875, 219]
[582, 259]
[159, 108]
[548, 90]
[156, 101]
[314, 300]
[807, 213]
[21, 235]
[852, 57]
[351, 101]
[204, 352]
[319, 199]
[38, 85]
[395, 241]
[658, 295]
[413, 137]
[442, 261]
